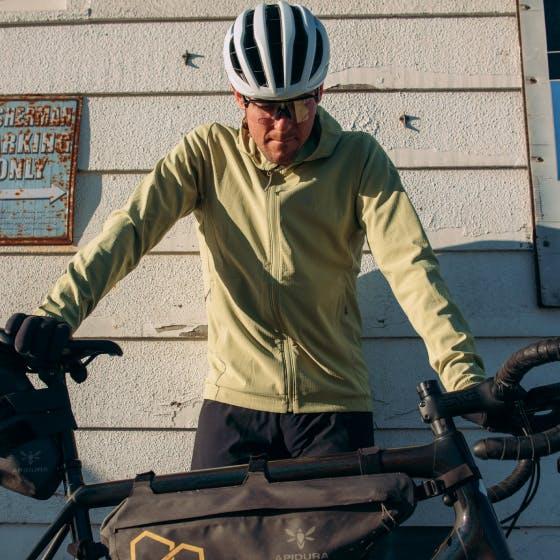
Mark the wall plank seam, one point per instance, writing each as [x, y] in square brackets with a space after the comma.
[400, 167]
[120, 21]
[226, 93]
[524, 246]
[197, 339]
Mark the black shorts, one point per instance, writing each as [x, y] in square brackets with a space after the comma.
[229, 435]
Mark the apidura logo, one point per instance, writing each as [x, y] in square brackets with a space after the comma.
[30, 457]
[301, 537]
[28, 462]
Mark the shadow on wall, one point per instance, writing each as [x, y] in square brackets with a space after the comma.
[548, 255]
[88, 198]
[492, 282]
[88, 187]
[496, 291]
[85, 135]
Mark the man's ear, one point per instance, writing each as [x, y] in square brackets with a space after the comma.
[238, 98]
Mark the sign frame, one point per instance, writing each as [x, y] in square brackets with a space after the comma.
[68, 237]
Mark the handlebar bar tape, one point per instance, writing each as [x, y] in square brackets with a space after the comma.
[511, 484]
[512, 372]
[516, 448]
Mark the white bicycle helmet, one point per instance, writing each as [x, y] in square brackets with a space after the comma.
[276, 51]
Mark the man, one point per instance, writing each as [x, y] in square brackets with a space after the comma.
[283, 206]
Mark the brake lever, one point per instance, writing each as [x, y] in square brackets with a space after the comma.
[543, 397]
[78, 371]
[5, 339]
[78, 368]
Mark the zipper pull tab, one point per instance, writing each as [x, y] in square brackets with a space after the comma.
[269, 174]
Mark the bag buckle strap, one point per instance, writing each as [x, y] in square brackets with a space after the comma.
[443, 483]
[143, 482]
[429, 489]
[87, 549]
[258, 463]
[370, 460]
[258, 467]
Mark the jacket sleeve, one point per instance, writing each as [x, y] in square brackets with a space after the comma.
[169, 192]
[404, 255]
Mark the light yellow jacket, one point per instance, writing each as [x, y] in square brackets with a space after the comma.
[281, 249]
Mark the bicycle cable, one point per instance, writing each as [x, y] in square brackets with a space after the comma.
[534, 481]
[526, 504]
[527, 499]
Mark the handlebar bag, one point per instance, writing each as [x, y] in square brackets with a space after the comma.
[339, 518]
[30, 455]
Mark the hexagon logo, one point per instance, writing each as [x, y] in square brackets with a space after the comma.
[171, 550]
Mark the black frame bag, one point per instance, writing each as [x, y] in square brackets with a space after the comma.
[329, 518]
[30, 455]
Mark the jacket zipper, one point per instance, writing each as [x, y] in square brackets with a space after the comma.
[275, 261]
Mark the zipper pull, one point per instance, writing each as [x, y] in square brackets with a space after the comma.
[269, 174]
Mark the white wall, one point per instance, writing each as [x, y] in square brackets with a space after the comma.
[454, 64]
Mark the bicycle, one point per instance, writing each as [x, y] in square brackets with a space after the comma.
[445, 467]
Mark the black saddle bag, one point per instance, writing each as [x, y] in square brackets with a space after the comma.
[330, 518]
[30, 455]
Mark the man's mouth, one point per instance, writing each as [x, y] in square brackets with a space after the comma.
[282, 140]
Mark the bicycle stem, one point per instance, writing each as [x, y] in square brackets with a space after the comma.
[476, 534]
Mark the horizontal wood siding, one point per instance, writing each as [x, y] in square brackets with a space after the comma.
[453, 64]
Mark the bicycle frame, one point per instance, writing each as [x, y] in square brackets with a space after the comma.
[476, 532]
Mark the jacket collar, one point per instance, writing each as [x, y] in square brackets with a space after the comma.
[321, 144]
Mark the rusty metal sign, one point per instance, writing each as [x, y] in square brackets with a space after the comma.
[38, 151]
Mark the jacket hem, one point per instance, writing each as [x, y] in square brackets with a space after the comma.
[280, 404]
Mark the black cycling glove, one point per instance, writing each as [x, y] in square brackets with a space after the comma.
[40, 340]
[506, 420]
[492, 423]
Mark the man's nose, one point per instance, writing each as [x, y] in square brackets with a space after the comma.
[283, 110]
[283, 121]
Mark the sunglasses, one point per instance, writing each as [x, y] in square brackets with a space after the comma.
[296, 109]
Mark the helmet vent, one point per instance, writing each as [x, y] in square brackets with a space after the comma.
[252, 52]
[274, 33]
[318, 53]
[235, 61]
[300, 47]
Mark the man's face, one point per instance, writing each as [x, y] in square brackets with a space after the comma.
[280, 134]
